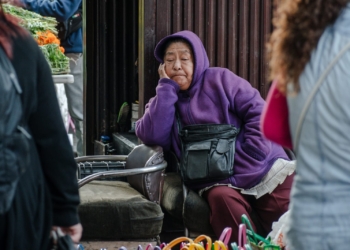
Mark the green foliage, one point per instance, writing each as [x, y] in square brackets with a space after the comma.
[59, 63]
[34, 22]
[31, 20]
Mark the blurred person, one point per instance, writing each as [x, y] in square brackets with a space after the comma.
[201, 94]
[46, 194]
[63, 10]
[308, 36]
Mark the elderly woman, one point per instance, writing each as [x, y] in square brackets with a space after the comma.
[263, 173]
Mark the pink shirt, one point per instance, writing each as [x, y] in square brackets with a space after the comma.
[274, 119]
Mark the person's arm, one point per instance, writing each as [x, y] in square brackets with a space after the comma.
[54, 149]
[154, 127]
[247, 104]
[60, 9]
[274, 118]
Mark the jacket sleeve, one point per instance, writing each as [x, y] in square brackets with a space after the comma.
[154, 127]
[60, 9]
[247, 104]
[54, 149]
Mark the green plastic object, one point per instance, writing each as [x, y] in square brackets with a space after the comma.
[257, 240]
[123, 113]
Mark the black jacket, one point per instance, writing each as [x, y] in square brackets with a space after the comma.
[47, 193]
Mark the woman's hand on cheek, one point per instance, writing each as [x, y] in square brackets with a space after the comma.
[161, 71]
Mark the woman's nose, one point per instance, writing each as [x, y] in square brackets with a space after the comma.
[177, 64]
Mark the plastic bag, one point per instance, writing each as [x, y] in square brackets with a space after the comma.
[278, 234]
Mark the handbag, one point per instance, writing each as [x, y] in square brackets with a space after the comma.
[207, 152]
[61, 241]
[66, 28]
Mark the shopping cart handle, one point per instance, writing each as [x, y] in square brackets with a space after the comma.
[122, 173]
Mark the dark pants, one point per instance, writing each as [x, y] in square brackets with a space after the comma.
[227, 206]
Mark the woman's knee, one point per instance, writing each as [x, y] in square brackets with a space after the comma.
[223, 196]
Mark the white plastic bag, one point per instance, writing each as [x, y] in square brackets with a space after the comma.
[277, 234]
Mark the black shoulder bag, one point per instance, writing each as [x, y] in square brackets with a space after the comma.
[207, 152]
[66, 28]
[61, 241]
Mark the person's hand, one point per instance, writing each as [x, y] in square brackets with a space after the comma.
[74, 231]
[161, 71]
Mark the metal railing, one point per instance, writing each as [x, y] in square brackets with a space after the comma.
[117, 173]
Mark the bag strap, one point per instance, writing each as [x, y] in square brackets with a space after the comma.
[178, 121]
[11, 70]
[7, 64]
[313, 93]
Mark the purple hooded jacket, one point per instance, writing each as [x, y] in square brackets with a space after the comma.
[216, 95]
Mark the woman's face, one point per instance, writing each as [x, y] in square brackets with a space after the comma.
[178, 62]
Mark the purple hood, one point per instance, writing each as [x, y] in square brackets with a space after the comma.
[199, 53]
[216, 95]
